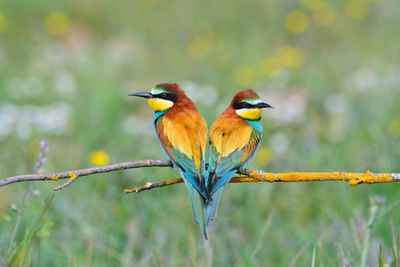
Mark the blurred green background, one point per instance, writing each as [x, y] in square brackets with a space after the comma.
[331, 69]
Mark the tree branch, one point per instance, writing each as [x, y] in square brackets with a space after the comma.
[85, 172]
[249, 176]
[352, 178]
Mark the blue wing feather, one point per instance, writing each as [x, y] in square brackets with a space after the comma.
[189, 171]
[182, 162]
[221, 172]
[225, 169]
[192, 178]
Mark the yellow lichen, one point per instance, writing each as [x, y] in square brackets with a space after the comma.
[353, 182]
[54, 177]
[351, 178]
[258, 176]
[367, 177]
[73, 175]
[244, 180]
[173, 181]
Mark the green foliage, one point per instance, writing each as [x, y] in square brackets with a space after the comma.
[21, 254]
[381, 261]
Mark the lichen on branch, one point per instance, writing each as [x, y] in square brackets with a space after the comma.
[250, 176]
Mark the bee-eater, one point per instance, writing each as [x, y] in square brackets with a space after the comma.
[233, 141]
[182, 133]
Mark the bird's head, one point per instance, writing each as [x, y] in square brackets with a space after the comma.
[247, 104]
[162, 97]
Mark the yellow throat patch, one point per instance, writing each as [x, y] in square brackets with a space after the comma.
[158, 104]
[249, 114]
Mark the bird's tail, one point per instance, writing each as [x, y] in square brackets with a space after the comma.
[211, 206]
[204, 210]
[200, 207]
[215, 187]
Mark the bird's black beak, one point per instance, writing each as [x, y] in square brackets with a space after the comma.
[142, 94]
[263, 105]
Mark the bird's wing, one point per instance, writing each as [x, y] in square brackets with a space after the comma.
[231, 147]
[184, 140]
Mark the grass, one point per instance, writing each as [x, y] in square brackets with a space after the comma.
[335, 95]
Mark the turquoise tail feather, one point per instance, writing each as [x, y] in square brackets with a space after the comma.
[199, 206]
[220, 182]
[212, 206]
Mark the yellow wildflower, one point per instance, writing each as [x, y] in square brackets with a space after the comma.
[325, 16]
[57, 23]
[7, 218]
[356, 9]
[271, 66]
[198, 47]
[99, 158]
[264, 156]
[245, 76]
[3, 22]
[312, 4]
[291, 57]
[394, 128]
[297, 21]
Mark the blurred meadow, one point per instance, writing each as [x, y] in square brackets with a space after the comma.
[331, 69]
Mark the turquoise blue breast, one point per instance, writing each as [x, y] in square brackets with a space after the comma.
[256, 124]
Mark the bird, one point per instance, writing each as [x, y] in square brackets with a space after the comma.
[182, 133]
[233, 141]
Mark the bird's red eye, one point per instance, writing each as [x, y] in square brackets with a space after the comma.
[163, 95]
[246, 105]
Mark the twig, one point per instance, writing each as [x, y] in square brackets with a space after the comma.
[72, 178]
[172, 181]
[150, 185]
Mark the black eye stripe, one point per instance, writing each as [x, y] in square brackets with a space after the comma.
[166, 96]
[241, 105]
